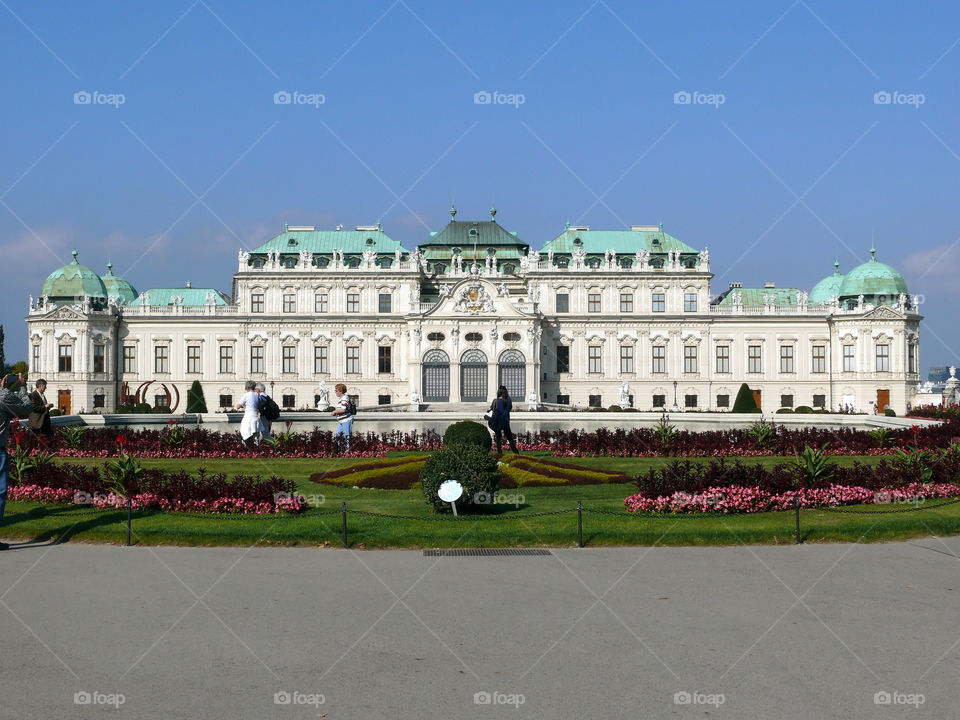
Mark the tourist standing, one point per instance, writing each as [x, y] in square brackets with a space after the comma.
[250, 404]
[500, 420]
[266, 424]
[11, 405]
[39, 419]
[344, 411]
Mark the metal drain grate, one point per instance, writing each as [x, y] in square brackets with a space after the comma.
[484, 552]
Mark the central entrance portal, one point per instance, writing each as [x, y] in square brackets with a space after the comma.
[473, 376]
[436, 376]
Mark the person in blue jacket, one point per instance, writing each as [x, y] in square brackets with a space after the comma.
[500, 420]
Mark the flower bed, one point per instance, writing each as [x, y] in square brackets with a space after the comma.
[388, 474]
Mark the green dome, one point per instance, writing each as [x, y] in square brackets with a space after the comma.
[872, 279]
[118, 288]
[829, 287]
[73, 282]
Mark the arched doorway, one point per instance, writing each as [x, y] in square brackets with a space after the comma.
[512, 373]
[473, 376]
[436, 376]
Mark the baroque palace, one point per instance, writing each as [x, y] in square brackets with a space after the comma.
[593, 318]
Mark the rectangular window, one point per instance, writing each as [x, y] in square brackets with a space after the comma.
[626, 302]
[563, 358]
[594, 359]
[786, 359]
[193, 358]
[385, 359]
[226, 401]
[690, 401]
[288, 401]
[911, 358]
[320, 303]
[595, 400]
[593, 302]
[659, 401]
[819, 401]
[563, 302]
[723, 401]
[289, 303]
[563, 399]
[385, 303]
[353, 359]
[849, 358]
[256, 303]
[754, 359]
[659, 303]
[320, 359]
[226, 358]
[383, 399]
[129, 358]
[161, 359]
[65, 358]
[786, 401]
[723, 358]
[626, 358]
[689, 302]
[99, 401]
[99, 358]
[257, 355]
[160, 401]
[353, 302]
[659, 360]
[883, 358]
[690, 358]
[289, 358]
[36, 359]
[819, 359]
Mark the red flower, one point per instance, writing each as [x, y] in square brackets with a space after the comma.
[170, 421]
[120, 439]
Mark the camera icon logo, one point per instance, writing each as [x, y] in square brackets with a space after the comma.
[82, 698]
[482, 698]
[481, 98]
[81, 97]
[881, 97]
[882, 698]
[682, 97]
[282, 698]
[281, 97]
[482, 498]
[682, 698]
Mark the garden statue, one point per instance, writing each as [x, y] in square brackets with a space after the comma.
[532, 403]
[324, 396]
[625, 394]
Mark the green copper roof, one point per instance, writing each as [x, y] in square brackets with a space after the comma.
[464, 235]
[191, 296]
[74, 281]
[324, 242]
[829, 287]
[873, 278]
[753, 297]
[596, 242]
[117, 287]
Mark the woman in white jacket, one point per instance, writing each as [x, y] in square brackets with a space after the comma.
[250, 404]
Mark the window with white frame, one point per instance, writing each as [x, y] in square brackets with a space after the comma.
[883, 357]
[593, 302]
[193, 358]
[563, 302]
[658, 363]
[320, 303]
[161, 358]
[65, 358]
[226, 358]
[818, 359]
[99, 358]
[690, 358]
[35, 365]
[786, 359]
[594, 359]
[353, 302]
[289, 302]
[849, 358]
[320, 359]
[626, 358]
[626, 302]
[258, 355]
[723, 359]
[385, 302]
[659, 302]
[129, 358]
[289, 358]
[353, 359]
[256, 302]
[754, 358]
[690, 302]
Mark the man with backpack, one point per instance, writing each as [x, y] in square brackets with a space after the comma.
[269, 411]
[345, 410]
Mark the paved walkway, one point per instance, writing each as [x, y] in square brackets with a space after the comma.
[746, 632]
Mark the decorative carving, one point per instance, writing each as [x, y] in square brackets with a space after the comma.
[625, 394]
[473, 300]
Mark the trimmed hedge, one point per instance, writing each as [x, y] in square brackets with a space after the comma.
[471, 466]
[468, 432]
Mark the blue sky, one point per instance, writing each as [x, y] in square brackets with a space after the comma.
[796, 167]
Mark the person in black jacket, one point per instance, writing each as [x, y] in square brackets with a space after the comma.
[39, 419]
[500, 422]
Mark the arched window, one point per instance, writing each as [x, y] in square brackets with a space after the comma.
[509, 269]
[473, 356]
[290, 262]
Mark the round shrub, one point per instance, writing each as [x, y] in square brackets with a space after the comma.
[615, 408]
[161, 410]
[54, 412]
[143, 408]
[468, 432]
[784, 411]
[803, 409]
[889, 412]
[471, 466]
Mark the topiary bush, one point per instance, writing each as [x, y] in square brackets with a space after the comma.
[615, 408]
[784, 411]
[889, 412]
[803, 409]
[195, 400]
[744, 402]
[470, 433]
[471, 466]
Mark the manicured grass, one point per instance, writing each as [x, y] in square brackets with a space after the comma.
[506, 526]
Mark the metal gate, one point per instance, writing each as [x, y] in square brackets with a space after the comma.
[436, 376]
[512, 373]
[473, 376]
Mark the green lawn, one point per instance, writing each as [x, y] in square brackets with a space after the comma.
[509, 526]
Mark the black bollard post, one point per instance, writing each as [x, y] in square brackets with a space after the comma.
[129, 510]
[580, 523]
[343, 514]
[796, 508]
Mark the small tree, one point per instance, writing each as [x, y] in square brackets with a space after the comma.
[745, 402]
[195, 401]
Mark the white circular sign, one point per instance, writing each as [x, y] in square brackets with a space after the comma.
[450, 491]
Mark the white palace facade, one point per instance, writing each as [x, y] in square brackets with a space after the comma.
[592, 318]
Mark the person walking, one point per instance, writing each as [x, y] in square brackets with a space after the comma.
[39, 420]
[344, 411]
[266, 424]
[12, 405]
[250, 424]
[500, 420]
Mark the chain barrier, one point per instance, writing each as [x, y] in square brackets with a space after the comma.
[828, 508]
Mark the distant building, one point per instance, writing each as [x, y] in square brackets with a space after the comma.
[938, 373]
